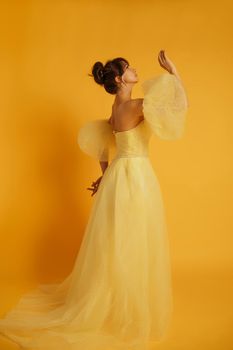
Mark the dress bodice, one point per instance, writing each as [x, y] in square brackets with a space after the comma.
[133, 142]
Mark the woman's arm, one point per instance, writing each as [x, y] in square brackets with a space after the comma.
[136, 104]
[103, 166]
[167, 64]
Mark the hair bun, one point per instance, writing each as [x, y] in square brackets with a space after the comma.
[105, 74]
[98, 72]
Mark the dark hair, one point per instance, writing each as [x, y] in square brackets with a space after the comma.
[105, 74]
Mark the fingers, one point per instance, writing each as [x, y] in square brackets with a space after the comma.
[94, 190]
[97, 181]
[161, 57]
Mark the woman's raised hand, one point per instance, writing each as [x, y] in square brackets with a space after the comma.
[165, 62]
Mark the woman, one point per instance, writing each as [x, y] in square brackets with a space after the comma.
[119, 293]
[126, 112]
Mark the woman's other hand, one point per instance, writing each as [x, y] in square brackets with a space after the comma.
[95, 185]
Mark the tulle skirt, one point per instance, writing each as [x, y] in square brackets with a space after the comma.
[119, 292]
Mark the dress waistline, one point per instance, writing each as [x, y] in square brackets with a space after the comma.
[131, 156]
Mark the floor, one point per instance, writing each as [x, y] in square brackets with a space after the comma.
[202, 317]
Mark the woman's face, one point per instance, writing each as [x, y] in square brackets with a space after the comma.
[130, 74]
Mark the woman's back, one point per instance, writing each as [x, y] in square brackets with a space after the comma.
[125, 116]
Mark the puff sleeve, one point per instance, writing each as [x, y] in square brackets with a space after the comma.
[96, 139]
[165, 105]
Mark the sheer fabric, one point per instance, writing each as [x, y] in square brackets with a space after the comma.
[119, 292]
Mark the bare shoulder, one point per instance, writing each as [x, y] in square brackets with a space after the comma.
[131, 105]
[135, 107]
[128, 115]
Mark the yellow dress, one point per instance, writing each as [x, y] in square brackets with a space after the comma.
[119, 292]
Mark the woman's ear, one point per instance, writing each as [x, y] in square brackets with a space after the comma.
[118, 79]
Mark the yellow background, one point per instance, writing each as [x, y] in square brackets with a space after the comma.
[47, 51]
